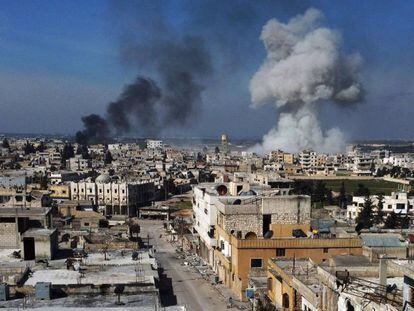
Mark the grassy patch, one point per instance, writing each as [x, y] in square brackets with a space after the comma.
[374, 186]
[182, 204]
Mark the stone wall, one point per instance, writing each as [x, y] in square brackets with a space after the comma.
[244, 223]
[8, 238]
[287, 209]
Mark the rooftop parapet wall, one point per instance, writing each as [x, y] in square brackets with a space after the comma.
[297, 243]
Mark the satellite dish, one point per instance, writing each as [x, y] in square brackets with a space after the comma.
[221, 190]
[268, 234]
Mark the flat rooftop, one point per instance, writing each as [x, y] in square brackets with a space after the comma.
[24, 212]
[138, 274]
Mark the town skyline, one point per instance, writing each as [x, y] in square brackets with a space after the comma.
[66, 67]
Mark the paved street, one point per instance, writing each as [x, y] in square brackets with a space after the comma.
[188, 287]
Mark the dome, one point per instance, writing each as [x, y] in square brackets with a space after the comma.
[247, 193]
[103, 179]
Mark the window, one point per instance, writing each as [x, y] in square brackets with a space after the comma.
[325, 250]
[82, 190]
[256, 263]
[116, 191]
[123, 190]
[389, 206]
[205, 211]
[269, 283]
[107, 190]
[400, 206]
[280, 252]
[86, 224]
[100, 190]
[90, 190]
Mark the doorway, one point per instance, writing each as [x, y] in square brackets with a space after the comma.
[29, 248]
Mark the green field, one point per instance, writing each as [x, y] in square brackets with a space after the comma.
[375, 186]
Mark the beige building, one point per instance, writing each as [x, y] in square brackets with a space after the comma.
[113, 197]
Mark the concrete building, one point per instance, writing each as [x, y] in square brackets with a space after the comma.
[205, 197]
[397, 202]
[342, 283]
[154, 144]
[39, 243]
[308, 159]
[59, 177]
[250, 232]
[28, 229]
[78, 163]
[60, 192]
[114, 197]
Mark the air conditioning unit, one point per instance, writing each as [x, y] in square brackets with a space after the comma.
[43, 290]
[4, 292]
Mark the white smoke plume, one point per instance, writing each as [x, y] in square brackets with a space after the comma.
[303, 68]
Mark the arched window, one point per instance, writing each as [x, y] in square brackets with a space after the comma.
[285, 300]
[250, 236]
[349, 306]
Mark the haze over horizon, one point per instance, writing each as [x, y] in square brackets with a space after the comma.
[60, 61]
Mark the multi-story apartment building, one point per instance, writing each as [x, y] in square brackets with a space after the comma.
[205, 197]
[154, 144]
[114, 197]
[249, 232]
[308, 159]
[78, 163]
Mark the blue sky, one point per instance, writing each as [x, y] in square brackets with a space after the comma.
[60, 60]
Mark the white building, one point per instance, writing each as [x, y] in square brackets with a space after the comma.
[398, 202]
[154, 144]
[308, 159]
[205, 197]
[402, 161]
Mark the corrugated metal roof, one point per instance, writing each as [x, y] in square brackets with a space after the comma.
[381, 240]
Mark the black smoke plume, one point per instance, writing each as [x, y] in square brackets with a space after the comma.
[95, 130]
[146, 105]
[136, 103]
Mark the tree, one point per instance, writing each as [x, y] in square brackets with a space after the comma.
[329, 197]
[320, 192]
[379, 216]
[108, 157]
[397, 221]
[28, 148]
[85, 152]
[41, 147]
[391, 222]
[303, 187]
[365, 218]
[5, 144]
[404, 221]
[68, 151]
[342, 196]
[362, 190]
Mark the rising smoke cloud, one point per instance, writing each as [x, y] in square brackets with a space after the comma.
[179, 64]
[304, 69]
